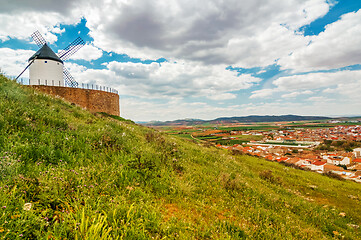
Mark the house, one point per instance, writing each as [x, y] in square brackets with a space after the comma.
[281, 159]
[332, 168]
[357, 152]
[303, 162]
[294, 160]
[357, 160]
[317, 165]
[356, 167]
[339, 160]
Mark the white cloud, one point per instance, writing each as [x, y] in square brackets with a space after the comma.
[142, 110]
[317, 80]
[212, 32]
[330, 90]
[263, 93]
[12, 62]
[20, 18]
[318, 99]
[312, 108]
[339, 90]
[58, 30]
[295, 94]
[170, 80]
[88, 52]
[336, 47]
[238, 33]
[222, 96]
[26, 23]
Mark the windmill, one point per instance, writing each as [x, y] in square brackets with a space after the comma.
[47, 68]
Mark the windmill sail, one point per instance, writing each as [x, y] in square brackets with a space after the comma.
[26, 68]
[71, 49]
[38, 39]
[69, 80]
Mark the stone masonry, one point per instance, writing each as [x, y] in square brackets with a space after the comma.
[92, 100]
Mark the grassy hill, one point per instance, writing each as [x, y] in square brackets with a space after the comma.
[68, 174]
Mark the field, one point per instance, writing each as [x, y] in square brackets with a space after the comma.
[68, 174]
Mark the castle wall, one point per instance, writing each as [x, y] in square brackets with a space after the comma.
[93, 100]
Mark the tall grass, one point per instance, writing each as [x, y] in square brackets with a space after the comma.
[95, 176]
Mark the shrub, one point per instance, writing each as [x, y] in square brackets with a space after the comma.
[268, 176]
[333, 175]
[230, 181]
[292, 165]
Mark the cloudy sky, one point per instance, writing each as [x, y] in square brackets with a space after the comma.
[175, 59]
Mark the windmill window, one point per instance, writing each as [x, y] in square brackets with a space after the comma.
[45, 61]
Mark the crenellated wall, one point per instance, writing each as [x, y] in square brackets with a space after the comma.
[93, 100]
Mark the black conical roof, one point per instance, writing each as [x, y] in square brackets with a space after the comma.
[45, 52]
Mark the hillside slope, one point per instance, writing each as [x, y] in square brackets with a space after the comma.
[69, 174]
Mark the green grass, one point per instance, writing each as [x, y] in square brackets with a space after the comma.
[230, 142]
[95, 176]
[249, 137]
[187, 136]
[248, 128]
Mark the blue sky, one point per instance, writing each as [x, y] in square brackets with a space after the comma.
[177, 59]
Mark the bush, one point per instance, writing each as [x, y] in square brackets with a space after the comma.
[333, 175]
[268, 176]
[292, 165]
[230, 181]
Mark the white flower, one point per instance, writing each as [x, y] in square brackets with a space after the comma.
[27, 206]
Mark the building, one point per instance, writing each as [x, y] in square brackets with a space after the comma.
[357, 152]
[46, 68]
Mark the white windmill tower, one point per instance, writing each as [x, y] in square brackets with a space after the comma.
[47, 68]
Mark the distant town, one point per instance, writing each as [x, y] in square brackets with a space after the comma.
[327, 147]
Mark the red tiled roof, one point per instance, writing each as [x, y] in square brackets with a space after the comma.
[329, 167]
[319, 163]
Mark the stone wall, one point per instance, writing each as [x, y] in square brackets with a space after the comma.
[93, 100]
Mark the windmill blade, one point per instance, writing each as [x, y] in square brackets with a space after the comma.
[38, 38]
[71, 49]
[69, 80]
[26, 68]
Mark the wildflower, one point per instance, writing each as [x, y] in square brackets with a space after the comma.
[27, 206]
[4, 207]
[20, 235]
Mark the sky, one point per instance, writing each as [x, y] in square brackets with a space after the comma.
[177, 59]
